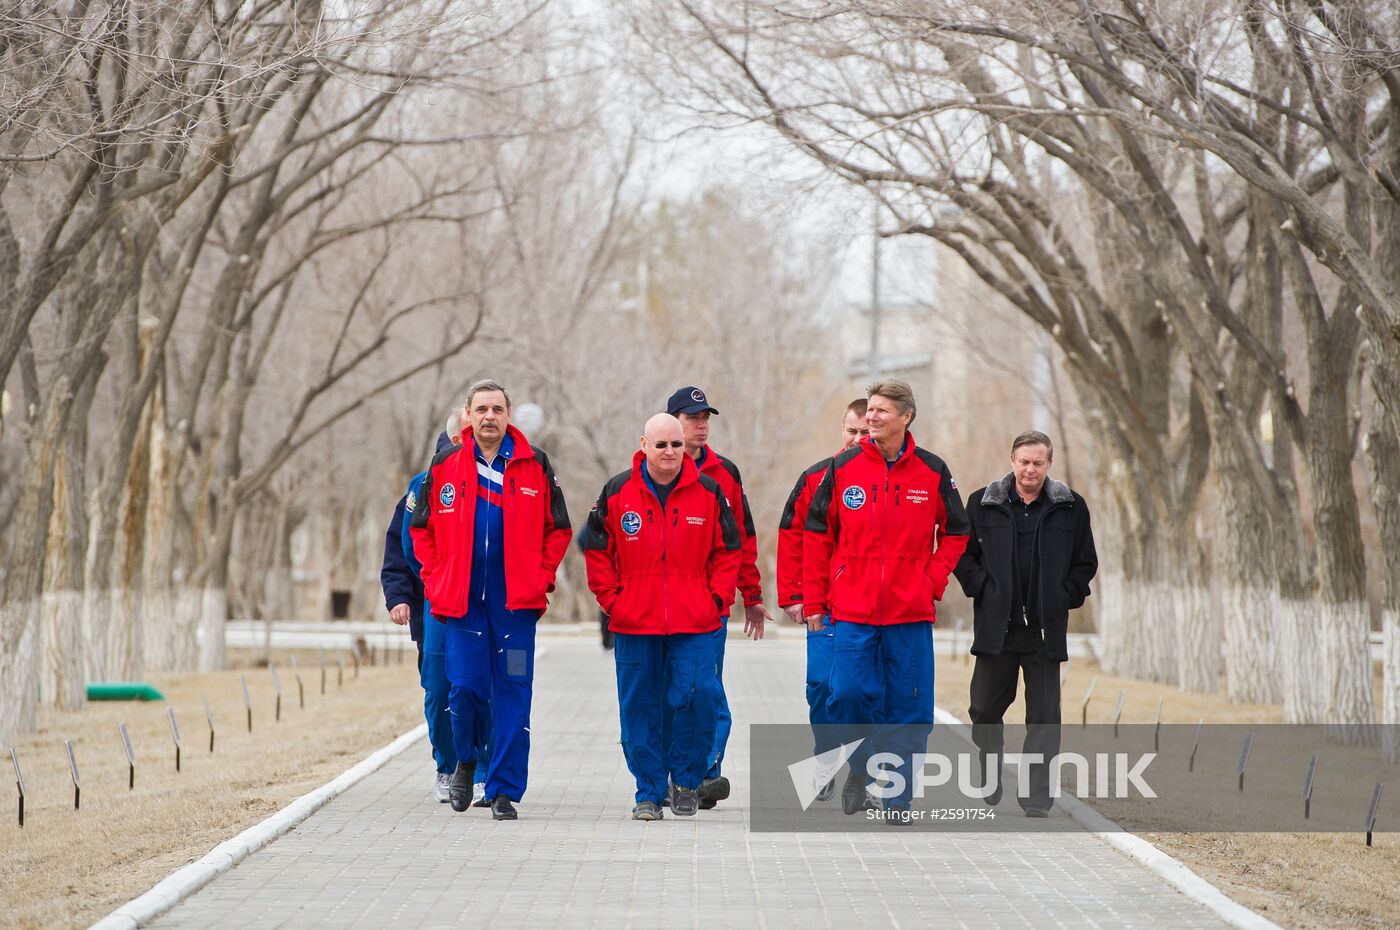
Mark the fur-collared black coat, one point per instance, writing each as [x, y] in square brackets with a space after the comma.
[1065, 558]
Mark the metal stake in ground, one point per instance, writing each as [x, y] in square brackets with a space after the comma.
[1118, 712]
[19, 784]
[209, 715]
[1084, 708]
[1308, 786]
[277, 684]
[1157, 728]
[130, 757]
[323, 670]
[1371, 814]
[301, 691]
[339, 670]
[247, 701]
[174, 734]
[1191, 763]
[355, 657]
[1244, 757]
[73, 767]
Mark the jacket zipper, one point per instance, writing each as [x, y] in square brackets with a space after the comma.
[1040, 579]
[884, 547]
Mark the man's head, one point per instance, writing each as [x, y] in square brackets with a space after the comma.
[453, 428]
[889, 410]
[488, 411]
[853, 427]
[692, 409]
[1031, 454]
[663, 442]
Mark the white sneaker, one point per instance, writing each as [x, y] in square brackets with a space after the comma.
[825, 783]
[440, 786]
[479, 794]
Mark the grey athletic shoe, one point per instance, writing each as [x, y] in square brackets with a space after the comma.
[684, 801]
[479, 795]
[440, 786]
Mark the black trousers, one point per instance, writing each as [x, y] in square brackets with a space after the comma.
[993, 691]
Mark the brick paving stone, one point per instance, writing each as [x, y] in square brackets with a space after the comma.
[383, 854]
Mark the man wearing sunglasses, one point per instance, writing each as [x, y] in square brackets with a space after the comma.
[662, 550]
[693, 410]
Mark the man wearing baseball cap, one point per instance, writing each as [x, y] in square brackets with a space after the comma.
[690, 406]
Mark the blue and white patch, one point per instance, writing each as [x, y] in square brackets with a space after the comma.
[631, 523]
[410, 501]
[853, 497]
[698, 396]
[447, 495]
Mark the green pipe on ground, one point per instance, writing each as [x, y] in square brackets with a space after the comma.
[123, 691]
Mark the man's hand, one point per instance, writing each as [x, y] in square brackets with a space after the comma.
[754, 617]
[816, 623]
[794, 613]
[399, 614]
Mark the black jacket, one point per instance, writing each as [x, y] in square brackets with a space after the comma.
[1065, 558]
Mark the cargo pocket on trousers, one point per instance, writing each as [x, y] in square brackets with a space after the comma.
[517, 663]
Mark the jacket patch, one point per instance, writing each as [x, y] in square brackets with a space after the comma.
[695, 521]
[631, 523]
[914, 496]
[853, 497]
[529, 492]
[447, 495]
[409, 501]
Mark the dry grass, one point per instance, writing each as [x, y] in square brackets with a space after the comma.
[1304, 881]
[67, 868]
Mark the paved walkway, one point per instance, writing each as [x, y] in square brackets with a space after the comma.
[383, 855]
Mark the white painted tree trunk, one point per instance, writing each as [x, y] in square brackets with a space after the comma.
[1199, 643]
[1300, 658]
[212, 619]
[64, 677]
[1390, 697]
[1110, 614]
[1252, 620]
[1347, 658]
[19, 671]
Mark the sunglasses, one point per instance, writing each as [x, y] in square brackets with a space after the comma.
[673, 444]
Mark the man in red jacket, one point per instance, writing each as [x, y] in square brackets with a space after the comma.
[662, 550]
[490, 529]
[821, 633]
[885, 529]
[690, 406]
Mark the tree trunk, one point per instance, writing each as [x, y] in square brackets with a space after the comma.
[64, 655]
[1383, 458]
[1249, 588]
[1345, 619]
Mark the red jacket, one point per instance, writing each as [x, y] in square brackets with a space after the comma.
[658, 571]
[790, 532]
[880, 540]
[536, 527]
[726, 474]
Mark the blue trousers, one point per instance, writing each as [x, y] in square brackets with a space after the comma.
[432, 675]
[490, 656]
[724, 722]
[882, 691]
[821, 646]
[676, 673]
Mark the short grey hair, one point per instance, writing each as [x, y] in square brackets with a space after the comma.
[454, 424]
[899, 393]
[485, 384]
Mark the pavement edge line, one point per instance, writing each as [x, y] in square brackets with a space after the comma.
[1165, 866]
[188, 879]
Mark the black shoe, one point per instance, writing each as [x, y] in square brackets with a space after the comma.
[1037, 812]
[855, 797]
[712, 791]
[993, 799]
[646, 810]
[502, 809]
[459, 789]
[684, 801]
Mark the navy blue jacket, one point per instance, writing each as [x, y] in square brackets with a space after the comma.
[397, 576]
[398, 579]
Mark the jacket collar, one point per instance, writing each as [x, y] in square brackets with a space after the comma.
[999, 492]
[867, 446]
[689, 473]
[522, 445]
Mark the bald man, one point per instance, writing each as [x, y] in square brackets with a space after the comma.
[662, 549]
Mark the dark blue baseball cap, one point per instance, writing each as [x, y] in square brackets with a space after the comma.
[689, 399]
